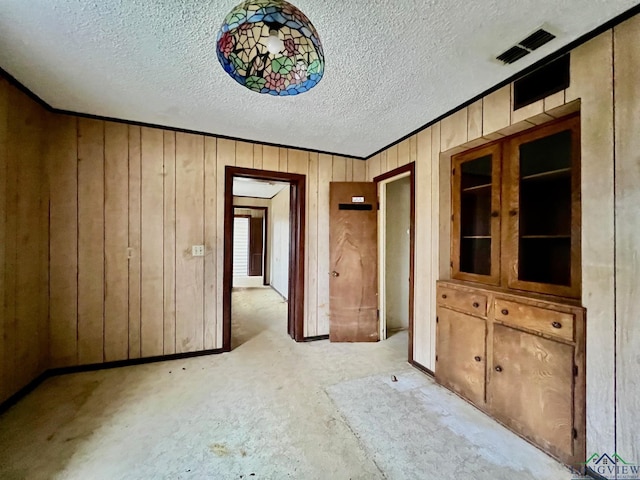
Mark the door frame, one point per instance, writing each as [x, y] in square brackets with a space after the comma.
[380, 180]
[297, 199]
[265, 245]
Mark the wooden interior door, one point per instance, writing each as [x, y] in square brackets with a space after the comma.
[353, 284]
[461, 354]
[255, 246]
[531, 388]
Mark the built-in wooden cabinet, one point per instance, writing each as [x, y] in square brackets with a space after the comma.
[510, 328]
[520, 359]
[516, 211]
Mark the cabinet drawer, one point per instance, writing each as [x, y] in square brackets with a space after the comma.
[474, 303]
[542, 320]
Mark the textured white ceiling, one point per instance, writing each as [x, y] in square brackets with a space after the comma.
[391, 66]
[249, 187]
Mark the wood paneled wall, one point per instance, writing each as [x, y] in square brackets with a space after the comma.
[610, 225]
[24, 229]
[127, 204]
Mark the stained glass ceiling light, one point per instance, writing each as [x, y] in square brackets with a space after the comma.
[270, 46]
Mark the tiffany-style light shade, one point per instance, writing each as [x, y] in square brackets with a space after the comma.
[270, 46]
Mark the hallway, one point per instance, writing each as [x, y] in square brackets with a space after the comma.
[270, 409]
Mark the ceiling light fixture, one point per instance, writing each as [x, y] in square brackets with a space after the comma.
[270, 46]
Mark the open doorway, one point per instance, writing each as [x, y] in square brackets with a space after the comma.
[396, 191]
[282, 255]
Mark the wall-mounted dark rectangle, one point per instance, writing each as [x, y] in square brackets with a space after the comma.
[355, 206]
[546, 80]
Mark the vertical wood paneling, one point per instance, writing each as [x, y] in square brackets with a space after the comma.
[90, 240]
[244, 154]
[413, 148]
[496, 112]
[283, 163]
[359, 171]
[116, 227]
[591, 80]
[11, 371]
[152, 243]
[440, 230]
[453, 130]
[270, 158]
[135, 178]
[169, 226]
[5, 357]
[298, 161]
[257, 156]
[63, 246]
[210, 233]
[404, 153]
[423, 249]
[392, 159]
[311, 260]
[226, 156]
[325, 172]
[373, 165]
[349, 169]
[627, 221]
[474, 120]
[189, 232]
[339, 169]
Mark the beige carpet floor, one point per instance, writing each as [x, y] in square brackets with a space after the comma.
[270, 409]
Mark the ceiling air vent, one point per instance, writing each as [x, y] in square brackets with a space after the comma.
[513, 54]
[526, 46]
[537, 39]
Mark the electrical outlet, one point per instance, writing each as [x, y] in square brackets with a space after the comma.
[197, 251]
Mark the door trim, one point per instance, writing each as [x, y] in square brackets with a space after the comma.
[400, 171]
[295, 323]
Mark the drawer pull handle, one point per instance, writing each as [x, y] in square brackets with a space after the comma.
[476, 304]
[477, 359]
[505, 311]
[556, 325]
[444, 295]
[498, 368]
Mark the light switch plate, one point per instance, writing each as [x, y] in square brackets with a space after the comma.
[197, 250]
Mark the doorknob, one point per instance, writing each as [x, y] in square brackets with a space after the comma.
[335, 274]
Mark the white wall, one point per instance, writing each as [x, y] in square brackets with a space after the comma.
[279, 242]
[398, 219]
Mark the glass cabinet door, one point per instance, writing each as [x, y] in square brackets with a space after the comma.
[476, 220]
[544, 210]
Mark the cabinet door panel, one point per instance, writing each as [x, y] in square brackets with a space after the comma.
[461, 354]
[475, 246]
[542, 210]
[531, 388]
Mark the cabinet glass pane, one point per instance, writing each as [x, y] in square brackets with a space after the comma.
[545, 210]
[475, 216]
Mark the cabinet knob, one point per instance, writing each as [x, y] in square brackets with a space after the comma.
[494, 214]
[505, 311]
[556, 325]
[498, 368]
[444, 295]
[477, 358]
[335, 274]
[513, 212]
[476, 304]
